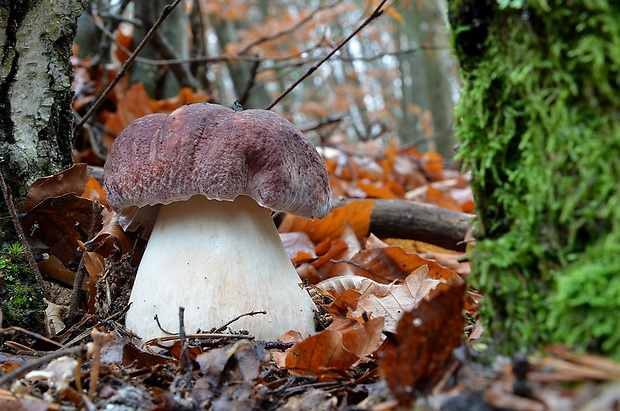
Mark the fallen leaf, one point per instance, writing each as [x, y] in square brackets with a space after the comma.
[355, 213]
[425, 338]
[389, 301]
[112, 240]
[329, 354]
[72, 180]
[56, 224]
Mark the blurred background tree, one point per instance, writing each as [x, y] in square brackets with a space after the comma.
[395, 79]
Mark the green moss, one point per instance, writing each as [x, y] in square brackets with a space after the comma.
[539, 124]
[21, 299]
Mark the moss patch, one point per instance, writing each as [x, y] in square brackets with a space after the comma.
[21, 299]
[539, 125]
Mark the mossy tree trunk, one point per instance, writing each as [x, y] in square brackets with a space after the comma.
[539, 124]
[35, 89]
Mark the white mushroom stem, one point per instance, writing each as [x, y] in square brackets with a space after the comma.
[218, 259]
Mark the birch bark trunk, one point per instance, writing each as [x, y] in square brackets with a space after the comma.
[35, 89]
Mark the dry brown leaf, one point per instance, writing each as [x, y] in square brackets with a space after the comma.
[54, 268]
[356, 213]
[389, 301]
[387, 264]
[425, 338]
[112, 240]
[330, 353]
[72, 180]
[135, 104]
[58, 223]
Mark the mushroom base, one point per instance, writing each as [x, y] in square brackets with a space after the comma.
[219, 260]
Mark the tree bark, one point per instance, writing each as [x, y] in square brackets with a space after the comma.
[35, 89]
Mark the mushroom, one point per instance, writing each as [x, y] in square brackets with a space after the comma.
[211, 175]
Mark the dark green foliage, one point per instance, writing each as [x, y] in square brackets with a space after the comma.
[539, 124]
[21, 299]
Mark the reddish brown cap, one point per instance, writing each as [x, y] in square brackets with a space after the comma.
[217, 152]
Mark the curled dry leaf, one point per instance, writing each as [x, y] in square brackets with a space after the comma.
[56, 224]
[330, 353]
[111, 239]
[425, 338]
[72, 180]
[229, 375]
[298, 246]
[389, 301]
[387, 264]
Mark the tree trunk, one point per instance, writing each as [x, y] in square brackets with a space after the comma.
[170, 42]
[430, 87]
[35, 89]
[539, 129]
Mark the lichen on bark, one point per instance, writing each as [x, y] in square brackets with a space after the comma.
[538, 126]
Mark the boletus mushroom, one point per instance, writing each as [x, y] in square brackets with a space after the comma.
[211, 175]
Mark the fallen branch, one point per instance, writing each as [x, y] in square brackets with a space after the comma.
[416, 221]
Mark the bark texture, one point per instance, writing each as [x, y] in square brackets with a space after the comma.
[35, 89]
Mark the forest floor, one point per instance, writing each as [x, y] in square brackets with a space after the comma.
[400, 326]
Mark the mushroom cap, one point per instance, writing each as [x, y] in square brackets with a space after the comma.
[214, 151]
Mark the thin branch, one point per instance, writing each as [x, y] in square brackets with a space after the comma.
[287, 31]
[185, 362]
[251, 313]
[80, 350]
[375, 14]
[165, 13]
[6, 191]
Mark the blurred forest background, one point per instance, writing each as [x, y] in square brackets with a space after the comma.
[395, 79]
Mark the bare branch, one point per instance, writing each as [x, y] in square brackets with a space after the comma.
[376, 13]
[165, 13]
[287, 31]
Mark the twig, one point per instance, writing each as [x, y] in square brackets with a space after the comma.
[251, 313]
[376, 13]
[99, 339]
[165, 12]
[185, 362]
[287, 31]
[10, 376]
[156, 318]
[81, 272]
[13, 330]
[6, 191]
[166, 50]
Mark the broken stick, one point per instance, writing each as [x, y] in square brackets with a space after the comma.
[417, 221]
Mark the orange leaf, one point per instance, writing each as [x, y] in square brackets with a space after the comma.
[186, 96]
[124, 41]
[94, 191]
[335, 248]
[356, 213]
[330, 353]
[136, 104]
[377, 191]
